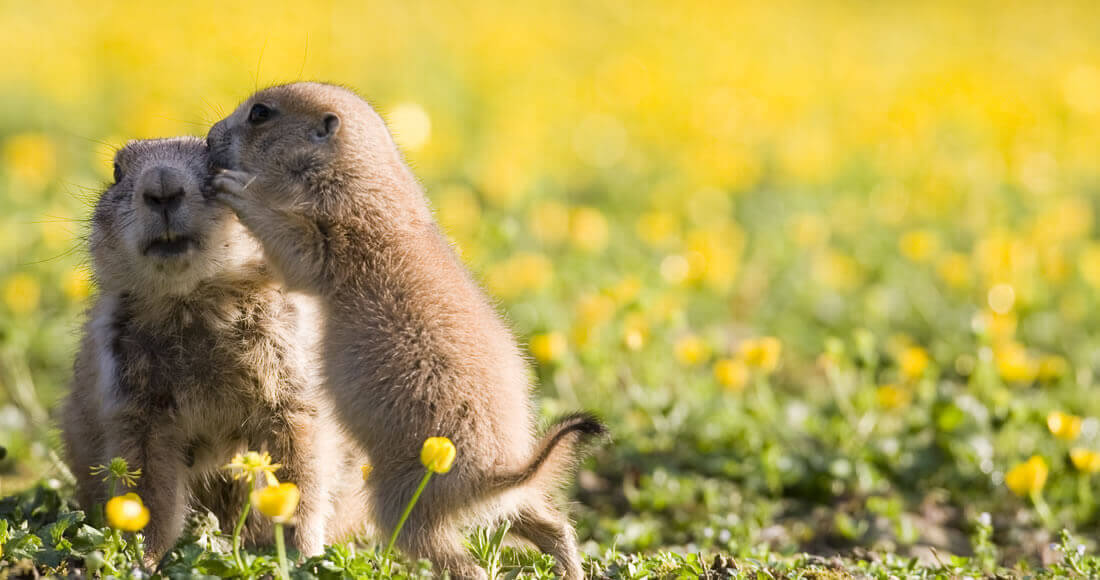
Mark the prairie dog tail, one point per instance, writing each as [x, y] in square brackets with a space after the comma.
[557, 451]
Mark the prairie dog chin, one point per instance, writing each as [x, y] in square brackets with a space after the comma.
[412, 347]
[192, 353]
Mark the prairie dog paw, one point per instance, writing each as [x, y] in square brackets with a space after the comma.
[232, 182]
[229, 187]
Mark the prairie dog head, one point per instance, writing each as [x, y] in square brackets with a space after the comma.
[155, 232]
[312, 143]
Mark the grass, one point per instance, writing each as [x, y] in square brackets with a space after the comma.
[42, 534]
[828, 271]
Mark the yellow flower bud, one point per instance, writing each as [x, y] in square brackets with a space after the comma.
[367, 469]
[21, 293]
[914, 361]
[893, 397]
[1063, 425]
[278, 502]
[691, 350]
[731, 373]
[762, 353]
[1028, 477]
[1085, 460]
[549, 347]
[437, 454]
[127, 513]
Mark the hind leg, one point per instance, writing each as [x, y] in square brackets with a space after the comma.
[548, 529]
[428, 532]
[299, 446]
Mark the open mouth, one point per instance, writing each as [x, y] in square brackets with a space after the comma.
[170, 246]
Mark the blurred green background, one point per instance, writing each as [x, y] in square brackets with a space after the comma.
[829, 269]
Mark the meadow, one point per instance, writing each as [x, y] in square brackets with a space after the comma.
[828, 270]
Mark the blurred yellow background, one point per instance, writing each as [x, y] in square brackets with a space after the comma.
[640, 183]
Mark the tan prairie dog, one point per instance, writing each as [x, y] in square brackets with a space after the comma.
[191, 354]
[412, 347]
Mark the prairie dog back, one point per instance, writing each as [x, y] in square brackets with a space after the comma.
[192, 353]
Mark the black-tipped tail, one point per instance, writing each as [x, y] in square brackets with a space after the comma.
[558, 450]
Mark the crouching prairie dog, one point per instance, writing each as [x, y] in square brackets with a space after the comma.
[412, 347]
[191, 354]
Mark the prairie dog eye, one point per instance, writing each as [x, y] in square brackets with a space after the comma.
[260, 113]
[118, 172]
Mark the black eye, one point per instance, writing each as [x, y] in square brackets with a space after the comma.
[259, 113]
[118, 172]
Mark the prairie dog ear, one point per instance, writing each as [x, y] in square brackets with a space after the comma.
[329, 125]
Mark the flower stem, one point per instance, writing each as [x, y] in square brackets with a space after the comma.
[280, 548]
[139, 557]
[1084, 494]
[1042, 509]
[408, 509]
[240, 525]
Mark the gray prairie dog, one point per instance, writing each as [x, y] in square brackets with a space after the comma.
[412, 347]
[192, 353]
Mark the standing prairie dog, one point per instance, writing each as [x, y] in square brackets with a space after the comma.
[193, 353]
[412, 348]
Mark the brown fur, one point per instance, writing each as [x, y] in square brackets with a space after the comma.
[412, 347]
[190, 357]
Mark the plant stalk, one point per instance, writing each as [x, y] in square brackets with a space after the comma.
[408, 509]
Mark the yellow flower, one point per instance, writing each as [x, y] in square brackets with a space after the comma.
[919, 245]
[278, 502]
[366, 468]
[1052, 367]
[459, 210]
[1085, 460]
[31, 158]
[76, 284]
[1089, 264]
[657, 227]
[954, 269]
[1063, 425]
[1027, 478]
[411, 126]
[437, 454]
[1014, 364]
[549, 221]
[893, 397]
[588, 229]
[913, 361]
[594, 309]
[731, 373]
[127, 513]
[117, 470]
[21, 293]
[625, 290]
[518, 274]
[713, 256]
[635, 330]
[548, 347]
[836, 270]
[1000, 328]
[251, 464]
[691, 350]
[762, 353]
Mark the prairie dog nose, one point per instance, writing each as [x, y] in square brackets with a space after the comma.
[162, 188]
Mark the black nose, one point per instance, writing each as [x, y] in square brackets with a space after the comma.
[163, 188]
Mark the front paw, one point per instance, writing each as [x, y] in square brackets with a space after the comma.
[229, 188]
[232, 181]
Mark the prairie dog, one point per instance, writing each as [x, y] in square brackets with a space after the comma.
[192, 353]
[412, 347]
